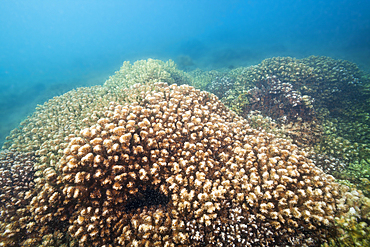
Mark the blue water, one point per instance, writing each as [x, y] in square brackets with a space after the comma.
[50, 47]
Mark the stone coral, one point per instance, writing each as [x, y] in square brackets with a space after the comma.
[148, 71]
[217, 180]
[138, 162]
[16, 186]
[220, 86]
[44, 132]
[352, 226]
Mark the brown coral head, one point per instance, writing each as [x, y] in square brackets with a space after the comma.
[178, 168]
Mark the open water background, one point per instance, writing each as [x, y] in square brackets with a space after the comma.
[50, 47]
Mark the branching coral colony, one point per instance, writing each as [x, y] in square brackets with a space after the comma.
[139, 162]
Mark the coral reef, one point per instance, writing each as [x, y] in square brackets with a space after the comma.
[358, 173]
[16, 188]
[327, 163]
[297, 89]
[210, 168]
[333, 84]
[217, 180]
[317, 102]
[148, 71]
[278, 100]
[220, 86]
[146, 160]
[337, 137]
[353, 229]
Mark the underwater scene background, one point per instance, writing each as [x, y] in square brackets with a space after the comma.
[192, 123]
